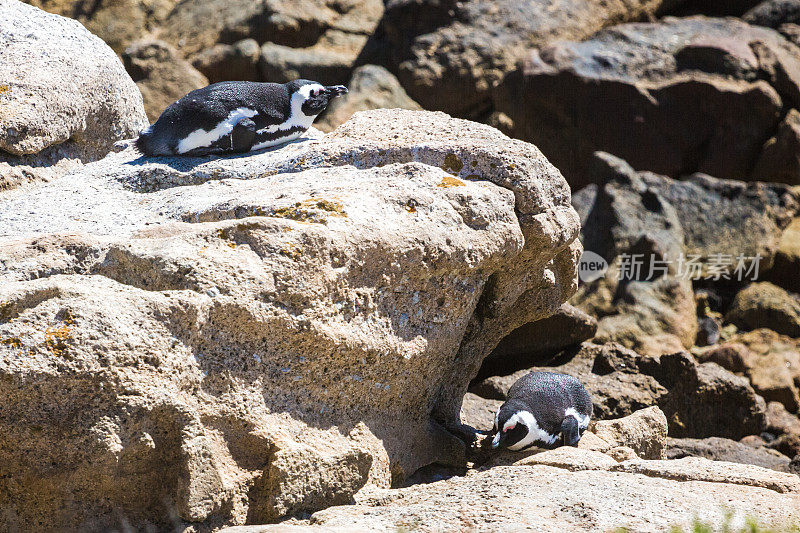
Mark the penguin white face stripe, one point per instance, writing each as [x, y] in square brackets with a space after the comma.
[200, 138]
[535, 433]
[297, 119]
[583, 421]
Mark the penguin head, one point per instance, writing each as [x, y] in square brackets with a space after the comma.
[314, 96]
[514, 427]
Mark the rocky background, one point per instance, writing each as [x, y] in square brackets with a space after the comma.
[312, 334]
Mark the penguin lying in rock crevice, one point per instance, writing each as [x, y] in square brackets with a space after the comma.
[236, 117]
[542, 409]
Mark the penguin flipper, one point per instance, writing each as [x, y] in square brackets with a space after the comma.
[570, 432]
[243, 136]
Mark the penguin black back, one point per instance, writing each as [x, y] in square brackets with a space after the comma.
[542, 408]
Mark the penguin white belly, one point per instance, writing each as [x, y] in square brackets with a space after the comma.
[201, 138]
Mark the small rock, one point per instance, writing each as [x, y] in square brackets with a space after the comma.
[645, 432]
[764, 305]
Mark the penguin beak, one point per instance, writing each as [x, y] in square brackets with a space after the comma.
[496, 440]
[335, 90]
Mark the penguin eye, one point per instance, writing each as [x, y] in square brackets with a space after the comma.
[315, 92]
[509, 428]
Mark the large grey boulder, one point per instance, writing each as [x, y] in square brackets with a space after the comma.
[269, 332]
[64, 96]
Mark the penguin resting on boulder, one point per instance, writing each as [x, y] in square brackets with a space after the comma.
[542, 409]
[236, 117]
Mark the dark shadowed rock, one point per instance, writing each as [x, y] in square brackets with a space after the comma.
[716, 8]
[238, 61]
[448, 54]
[764, 305]
[706, 400]
[161, 74]
[538, 341]
[196, 25]
[773, 13]
[719, 449]
[668, 97]
[728, 217]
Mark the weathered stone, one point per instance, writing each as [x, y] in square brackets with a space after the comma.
[161, 74]
[479, 412]
[48, 125]
[641, 301]
[667, 97]
[547, 498]
[718, 449]
[448, 55]
[327, 63]
[264, 334]
[371, 87]
[780, 421]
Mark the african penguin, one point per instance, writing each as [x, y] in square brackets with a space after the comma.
[236, 117]
[543, 409]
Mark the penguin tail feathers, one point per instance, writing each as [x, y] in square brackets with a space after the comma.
[142, 142]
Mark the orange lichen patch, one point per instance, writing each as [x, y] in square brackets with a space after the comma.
[4, 89]
[452, 164]
[13, 342]
[293, 252]
[305, 211]
[447, 181]
[55, 339]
